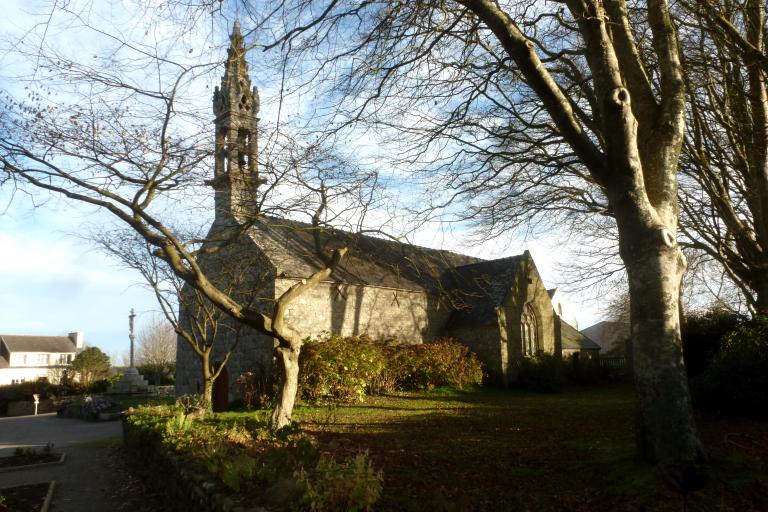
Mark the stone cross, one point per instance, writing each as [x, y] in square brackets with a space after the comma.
[131, 335]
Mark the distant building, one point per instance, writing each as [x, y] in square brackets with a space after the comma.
[610, 335]
[29, 358]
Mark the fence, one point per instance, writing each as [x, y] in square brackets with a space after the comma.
[614, 363]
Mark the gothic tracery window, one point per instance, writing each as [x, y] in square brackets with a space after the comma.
[528, 331]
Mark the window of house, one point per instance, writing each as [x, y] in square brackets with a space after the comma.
[43, 359]
[528, 331]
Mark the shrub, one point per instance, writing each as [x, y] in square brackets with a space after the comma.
[443, 362]
[543, 372]
[351, 485]
[736, 380]
[702, 334]
[159, 374]
[339, 368]
[255, 390]
[24, 391]
[201, 463]
[85, 407]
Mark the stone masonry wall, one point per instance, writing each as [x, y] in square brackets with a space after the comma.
[349, 310]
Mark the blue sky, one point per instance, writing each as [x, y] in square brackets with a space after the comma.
[54, 281]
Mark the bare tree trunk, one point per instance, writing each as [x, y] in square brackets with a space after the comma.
[208, 378]
[666, 431]
[288, 386]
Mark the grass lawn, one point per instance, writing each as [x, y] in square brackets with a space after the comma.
[492, 449]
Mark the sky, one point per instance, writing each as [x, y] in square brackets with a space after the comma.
[54, 281]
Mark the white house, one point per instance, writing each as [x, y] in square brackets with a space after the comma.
[29, 358]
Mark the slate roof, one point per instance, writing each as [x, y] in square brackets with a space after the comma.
[574, 340]
[369, 261]
[477, 289]
[38, 343]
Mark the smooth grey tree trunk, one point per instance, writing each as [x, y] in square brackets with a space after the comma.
[288, 358]
[665, 430]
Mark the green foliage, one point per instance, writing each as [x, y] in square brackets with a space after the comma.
[91, 365]
[443, 362]
[24, 391]
[233, 458]
[352, 486]
[339, 368]
[348, 369]
[701, 335]
[736, 380]
[159, 374]
[543, 372]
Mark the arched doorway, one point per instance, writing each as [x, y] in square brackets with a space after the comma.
[529, 331]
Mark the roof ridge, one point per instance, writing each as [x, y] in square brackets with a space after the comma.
[377, 239]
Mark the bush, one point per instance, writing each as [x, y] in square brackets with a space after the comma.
[443, 362]
[159, 374]
[351, 485]
[24, 391]
[702, 334]
[348, 369]
[543, 372]
[215, 464]
[339, 368]
[736, 380]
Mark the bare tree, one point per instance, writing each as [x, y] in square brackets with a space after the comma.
[156, 343]
[724, 184]
[136, 145]
[570, 106]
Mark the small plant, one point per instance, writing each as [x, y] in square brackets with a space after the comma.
[254, 390]
[353, 485]
[195, 406]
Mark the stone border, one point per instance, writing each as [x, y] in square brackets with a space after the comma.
[34, 466]
[49, 496]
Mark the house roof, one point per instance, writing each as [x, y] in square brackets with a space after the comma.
[477, 289]
[371, 261]
[58, 344]
[607, 333]
[572, 339]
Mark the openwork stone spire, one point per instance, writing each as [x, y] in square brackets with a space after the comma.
[236, 105]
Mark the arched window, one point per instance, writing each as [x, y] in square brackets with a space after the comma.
[528, 331]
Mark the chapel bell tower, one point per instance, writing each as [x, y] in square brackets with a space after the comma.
[235, 106]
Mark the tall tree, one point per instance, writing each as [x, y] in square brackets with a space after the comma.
[122, 131]
[580, 103]
[91, 365]
[156, 343]
[724, 192]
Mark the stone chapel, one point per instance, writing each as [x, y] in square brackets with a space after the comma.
[388, 290]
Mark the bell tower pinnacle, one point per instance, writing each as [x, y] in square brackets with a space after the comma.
[235, 107]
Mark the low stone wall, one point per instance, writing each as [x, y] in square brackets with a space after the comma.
[27, 407]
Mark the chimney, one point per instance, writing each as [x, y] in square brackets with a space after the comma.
[77, 339]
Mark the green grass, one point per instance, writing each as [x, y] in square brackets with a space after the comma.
[492, 449]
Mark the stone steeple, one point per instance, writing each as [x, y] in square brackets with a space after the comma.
[235, 107]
